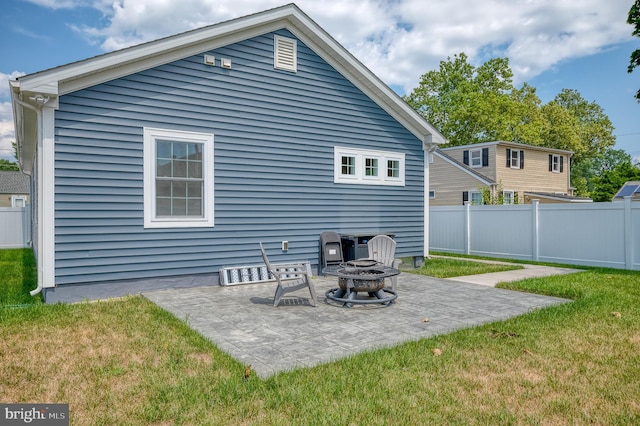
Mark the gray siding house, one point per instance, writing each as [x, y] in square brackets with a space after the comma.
[159, 164]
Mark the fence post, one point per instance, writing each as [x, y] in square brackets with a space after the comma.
[535, 237]
[467, 227]
[628, 234]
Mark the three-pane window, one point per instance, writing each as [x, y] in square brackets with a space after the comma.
[358, 166]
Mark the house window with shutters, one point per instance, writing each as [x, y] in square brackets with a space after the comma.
[474, 197]
[285, 53]
[556, 163]
[476, 158]
[508, 198]
[515, 159]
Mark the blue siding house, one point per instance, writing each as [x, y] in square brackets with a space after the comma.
[157, 165]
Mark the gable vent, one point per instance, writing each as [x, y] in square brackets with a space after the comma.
[285, 55]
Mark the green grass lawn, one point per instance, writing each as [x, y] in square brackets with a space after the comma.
[129, 362]
[17, 277]
[453, 267]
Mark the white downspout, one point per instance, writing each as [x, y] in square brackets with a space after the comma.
[38, 112]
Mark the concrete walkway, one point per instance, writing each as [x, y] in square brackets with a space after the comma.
[528, 271]
[241, 320]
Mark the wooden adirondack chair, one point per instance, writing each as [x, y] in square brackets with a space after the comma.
[382, 248]
[290, 277]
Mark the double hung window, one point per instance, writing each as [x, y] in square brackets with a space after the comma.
[178, 179]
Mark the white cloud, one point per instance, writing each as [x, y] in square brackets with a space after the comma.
[6, 131]
[397, 40]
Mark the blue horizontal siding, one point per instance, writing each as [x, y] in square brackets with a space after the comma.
[274, 136]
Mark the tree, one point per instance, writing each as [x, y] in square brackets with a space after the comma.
[461, 100]
[584, 173]
[479, 104]
[634, 19]
[589, 131]
[10, 165]
[606, 186]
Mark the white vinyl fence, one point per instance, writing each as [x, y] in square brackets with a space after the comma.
[593, 234]
[15, 227]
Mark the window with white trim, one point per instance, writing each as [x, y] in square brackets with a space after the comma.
[178, 179]
[475, 158]
[359, 166]
[515, 159]
[556, 163]
[18, 201]
[507, 197]
[476, 198]
[432, 194]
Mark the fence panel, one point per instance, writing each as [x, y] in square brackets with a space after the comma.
[594, 234]
[15, 227]
[591, 234]
[447, 229]
[503, 231]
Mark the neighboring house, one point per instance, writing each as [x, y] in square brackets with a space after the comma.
[174, 158]
[629, 189]
[14, 189]
[511, 172]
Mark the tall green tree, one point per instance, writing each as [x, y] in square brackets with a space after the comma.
[607, 185]
[479, 104]
[585, 173]
[634, 19]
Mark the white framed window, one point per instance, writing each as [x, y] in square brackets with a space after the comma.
[371, 168]
[359, 166]
[432, 194]
[515, 159]
[285, 53]
[475, 158]
[556, 163]
[507, 197]
[178, 179]
[18, 201]
[476, 198]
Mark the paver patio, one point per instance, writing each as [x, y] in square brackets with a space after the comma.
[241, 320]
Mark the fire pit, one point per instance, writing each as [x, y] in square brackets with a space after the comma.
[362, 275]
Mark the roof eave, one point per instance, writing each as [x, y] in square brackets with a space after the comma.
[89, 72]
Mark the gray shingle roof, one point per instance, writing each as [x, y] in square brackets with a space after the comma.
[14, 183]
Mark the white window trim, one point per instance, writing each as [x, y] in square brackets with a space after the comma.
[514, 154]
[555, 163]
[16, 198]
[471, 152]
[513, 197]
[432, 194]
[472, 193]
[360, 156]
[150, 220]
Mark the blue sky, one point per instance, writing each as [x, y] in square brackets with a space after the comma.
[551, 44]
